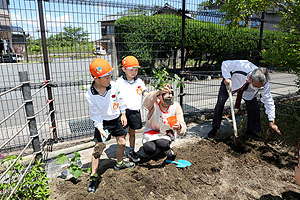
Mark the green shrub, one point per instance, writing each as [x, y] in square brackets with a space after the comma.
[284, 53]
[34, 185]
[159, 36]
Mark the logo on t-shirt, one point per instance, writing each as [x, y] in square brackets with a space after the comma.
[139, 90]
[115, 104]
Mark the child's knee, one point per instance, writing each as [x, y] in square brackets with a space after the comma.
[132, 134]
[121, 141]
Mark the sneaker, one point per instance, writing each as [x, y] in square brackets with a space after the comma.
[124, 165]
[212, 133]
[93, 183]
[133, 156]
[170, 154]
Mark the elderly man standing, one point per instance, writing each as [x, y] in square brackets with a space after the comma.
[248, 81]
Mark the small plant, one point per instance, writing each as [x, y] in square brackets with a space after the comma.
[73, 164]
[33, 186]
[163, 78]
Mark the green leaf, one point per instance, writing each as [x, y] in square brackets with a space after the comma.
[89, 170]
[76, 172]
[77, 155]
[61, 159]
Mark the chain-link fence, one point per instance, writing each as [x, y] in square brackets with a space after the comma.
[54, 42]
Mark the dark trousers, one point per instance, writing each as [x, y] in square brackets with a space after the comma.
[152, 147]
[253, 111]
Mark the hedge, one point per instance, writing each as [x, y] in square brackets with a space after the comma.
[159, 36]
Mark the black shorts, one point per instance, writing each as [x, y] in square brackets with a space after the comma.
[114, 127]
[134, 120]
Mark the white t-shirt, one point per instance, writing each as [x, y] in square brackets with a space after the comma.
[131, 92]
[104, 107]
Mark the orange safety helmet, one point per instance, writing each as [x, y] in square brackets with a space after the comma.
[100, 67]
[129, 62]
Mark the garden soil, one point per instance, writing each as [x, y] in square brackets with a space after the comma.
[265, 171]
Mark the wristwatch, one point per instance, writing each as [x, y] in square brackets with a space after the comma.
[273, 121]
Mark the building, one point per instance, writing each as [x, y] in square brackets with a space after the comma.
[215, 16]
[12, 38]
[168, 9]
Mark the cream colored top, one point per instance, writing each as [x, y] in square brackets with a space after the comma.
[157, 126]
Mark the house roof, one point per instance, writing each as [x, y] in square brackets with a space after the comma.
[11, 28]
[167, 8]
[216, 16]
[115, 17]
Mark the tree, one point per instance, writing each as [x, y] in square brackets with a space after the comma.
[206, 4]
[74, 35]
[286, 51]
[69, 37]
[238, 11]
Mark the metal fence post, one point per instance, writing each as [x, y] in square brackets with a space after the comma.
[114, 58]
[261, 32]
[182, 50]
[23, 76]
[47, 70]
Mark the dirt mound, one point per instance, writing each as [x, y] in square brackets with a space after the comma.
[217, 172]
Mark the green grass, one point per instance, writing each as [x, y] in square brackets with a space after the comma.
[76, 49]
[87, 48]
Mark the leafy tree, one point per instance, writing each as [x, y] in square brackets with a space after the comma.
[207, 3]
[238, 11]
[284, 52]
[69, 37]
[35, 48]
[73, 35]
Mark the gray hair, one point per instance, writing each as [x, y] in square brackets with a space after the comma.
[261, 75]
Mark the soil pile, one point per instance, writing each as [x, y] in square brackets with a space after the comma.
[264, 171]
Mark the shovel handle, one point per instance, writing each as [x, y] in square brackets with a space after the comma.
[172, 161]
[105, 137]
[232, 109]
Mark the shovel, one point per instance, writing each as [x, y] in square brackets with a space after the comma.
[238, 144]
[180, 163]
[105, 137]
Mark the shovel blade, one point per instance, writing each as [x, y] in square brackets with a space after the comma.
[185, 162]
[239, 146]
[181, 166]
[180, 163]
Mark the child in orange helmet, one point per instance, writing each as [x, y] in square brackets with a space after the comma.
[132, 89]
[107, 110]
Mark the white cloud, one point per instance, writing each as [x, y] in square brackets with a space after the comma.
[31, 24]
[58, 21]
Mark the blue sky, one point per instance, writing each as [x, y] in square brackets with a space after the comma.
[24, 13]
